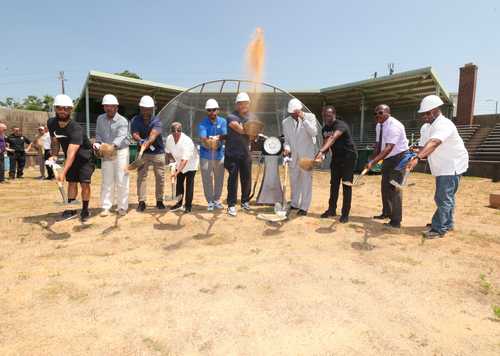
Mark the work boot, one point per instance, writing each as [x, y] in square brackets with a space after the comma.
[328, 213]
[160, 205]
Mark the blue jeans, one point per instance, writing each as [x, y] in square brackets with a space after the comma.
[446, 187]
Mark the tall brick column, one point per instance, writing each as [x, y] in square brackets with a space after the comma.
[466, 94]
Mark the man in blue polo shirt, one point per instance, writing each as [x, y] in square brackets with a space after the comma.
[212, 130]
[146, 130]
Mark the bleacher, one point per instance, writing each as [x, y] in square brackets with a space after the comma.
[489, 149]
[467, 131]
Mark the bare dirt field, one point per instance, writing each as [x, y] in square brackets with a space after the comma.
[163, 283]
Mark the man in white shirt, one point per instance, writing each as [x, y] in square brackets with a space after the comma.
[181, 148]
[300, 130]
[448, 159]
[112, 129]
[42, 144]
[391, 147]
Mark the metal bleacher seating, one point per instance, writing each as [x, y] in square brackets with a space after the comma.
[489, 149]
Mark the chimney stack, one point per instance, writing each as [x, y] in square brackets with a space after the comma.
[466, 94]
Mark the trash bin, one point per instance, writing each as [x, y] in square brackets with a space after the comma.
[132, 151]
[363, 155]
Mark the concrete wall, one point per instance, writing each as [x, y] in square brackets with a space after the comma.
[27, 120]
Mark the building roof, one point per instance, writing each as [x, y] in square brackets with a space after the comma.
[400, 89]
[127, 90]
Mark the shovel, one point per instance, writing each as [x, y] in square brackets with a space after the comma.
[139, 162]
[55, 167]
[404, 182]
[173, 197]
[356, 181]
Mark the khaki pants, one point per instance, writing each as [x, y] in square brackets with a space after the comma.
[158, 163]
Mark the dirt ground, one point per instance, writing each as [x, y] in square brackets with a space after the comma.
[162, 283]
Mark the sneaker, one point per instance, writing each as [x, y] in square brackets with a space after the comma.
[344, 219]
[67, 214]
[104, 213]
[141, 207]
[218, 205]
[210, 206]
[245, 206]
[328, 213]
[160, 205]
[176, 207]
[301, 212]
[433, 234]
[122, 212]
[84, 215]
[231, 210]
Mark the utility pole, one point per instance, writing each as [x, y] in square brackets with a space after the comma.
[61, 78]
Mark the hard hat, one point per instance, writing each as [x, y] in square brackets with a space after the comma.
[430, 102]
[63, 100]
[212, 104]
[109, 99]
[147, 102]
[294, 105]
[242, 97]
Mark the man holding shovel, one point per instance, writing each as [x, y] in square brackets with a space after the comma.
[237, 159]
[181, 148]
[78, 165]
[448, 159]
[337, 137]
[112, 143]
[300, 131]
[146, 130]
[212, 130]
[391, 147]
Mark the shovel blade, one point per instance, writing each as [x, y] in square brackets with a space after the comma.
[271, 217]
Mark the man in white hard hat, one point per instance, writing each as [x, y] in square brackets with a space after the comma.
[212, 130]
[300, 130]
[112, 129]
[237, 159]
[391, 147]
[78, 165]
[448, 159]
[146, 130]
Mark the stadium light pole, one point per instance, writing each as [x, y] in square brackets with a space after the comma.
[496, 104]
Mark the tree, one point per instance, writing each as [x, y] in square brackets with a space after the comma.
[11, 103]
[127, 73]
[31, 102]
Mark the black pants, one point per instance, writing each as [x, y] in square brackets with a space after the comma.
[50, 171]
[243, 168]
[342, 168]
[392, 198]
[179, 187]
[2, 167]
[17, 160]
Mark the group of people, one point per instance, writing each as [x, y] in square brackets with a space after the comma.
[225, 145]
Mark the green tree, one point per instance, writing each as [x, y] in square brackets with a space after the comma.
[11, 103]
[48, 102]
[127, 73]
[32, 102]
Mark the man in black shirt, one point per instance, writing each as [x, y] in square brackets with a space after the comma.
[237, 159]
[337, 137]
[17, 153]
[78, 165]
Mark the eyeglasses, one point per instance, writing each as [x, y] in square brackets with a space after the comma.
[212, 110]
[175, 130]
[378, 113]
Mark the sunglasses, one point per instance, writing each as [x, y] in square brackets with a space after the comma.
[175, 130]
[378, 113]
[212, 110]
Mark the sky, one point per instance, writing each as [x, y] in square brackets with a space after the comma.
[309, 44]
